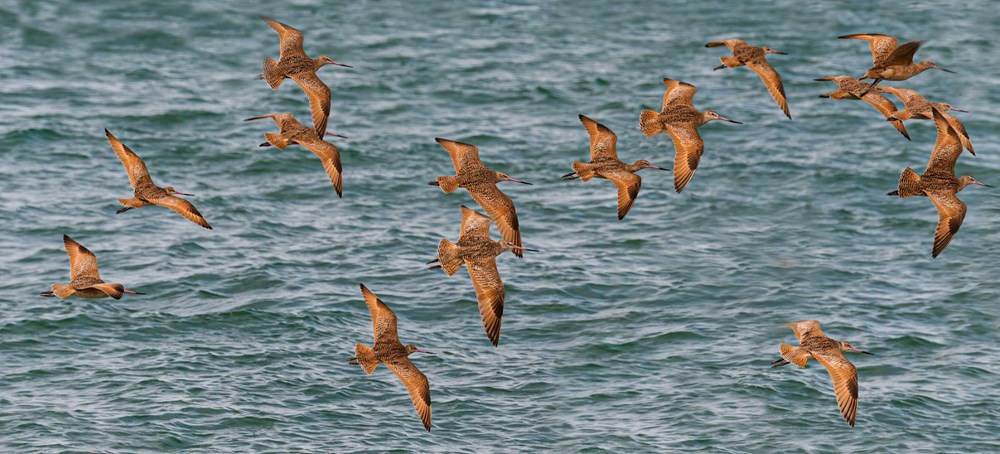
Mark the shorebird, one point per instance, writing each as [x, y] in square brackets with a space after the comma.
[478, 252]
[293, 63]
[481, 183]
[754, 57]
[604, 163]
[938, 183]
[916, 106]
[681, 120]
[292, 132]
[389, 351]
[850, 88]
[830, 353]
[85, 281]
[148, 193]
[891, 61]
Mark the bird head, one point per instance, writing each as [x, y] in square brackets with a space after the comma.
[927, 64]
[410, 349]
[171, 191]
[504, 245]
[847, 347]
[712, 115]
[323, 60]
[969, 179]
[644, 164]
[768, 50]
[504, 177]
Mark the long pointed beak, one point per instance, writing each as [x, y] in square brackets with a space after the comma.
[130, 292]
[183, 193]
[731, 121]
[943, 69]
[984, 184]
[335, 135]
[772, 51]
[957, 110]
[423, 351]
[340, 64]
[261, 117]
[855, 350]
[656, 167]
[517, 181]
[519, 248]
[719, 67]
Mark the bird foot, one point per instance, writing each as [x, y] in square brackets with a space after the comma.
[778, 362]
[570, 176]
[122, 210]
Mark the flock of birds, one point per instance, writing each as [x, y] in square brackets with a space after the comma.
[478, 251]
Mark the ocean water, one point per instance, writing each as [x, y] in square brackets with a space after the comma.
[653, 334]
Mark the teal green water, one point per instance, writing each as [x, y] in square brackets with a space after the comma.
[654, 334]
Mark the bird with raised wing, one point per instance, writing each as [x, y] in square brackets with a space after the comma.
[891, 61]
[85, 281]
[754, 57]
[481, 183]
[851, 88]
[145, 191]
[813, 344]
[388, 350]
[938, 183]
[293, 63]
[604, 163]
[681, 120]
[917, 106]
[478, 252]
[292, 132]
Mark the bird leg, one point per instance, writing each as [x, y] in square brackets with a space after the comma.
[432, 261]
[353, 360]
[719, 67]
[779, 362]
[265, 144]
[49, 294]
[122, 210]
[570, 176]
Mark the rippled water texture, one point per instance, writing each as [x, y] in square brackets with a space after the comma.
[651, 334]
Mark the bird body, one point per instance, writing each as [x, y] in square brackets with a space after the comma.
[813, 344]
[851, 88]
[891, 61]
[755, 58]
[85, 281]
[292, 132]
[917, 106]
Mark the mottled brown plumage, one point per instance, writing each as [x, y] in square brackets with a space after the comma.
[388, 350]
[891, 61]
[292, 132]
[481, 183]
[938, 183]
[916, 106]
[681, 120]
[754, 57]
[145, 191]
[85, 281]
[604, 163]
[478, 252]
[813, 344]
[293, 63]
[851, 88]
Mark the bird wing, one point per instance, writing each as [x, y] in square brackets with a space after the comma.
[463, 155]
[330, 157]
[115, 291]
[490, 293]
[383, 319]
[416, 384]
[947, 148]
[963, 135]
[82, 262]
[951, 212]
[182, 207]
[845, 382]
[903, 55]
[138, 176]
[501, 209]
[678, 93]
[628, 189]
[805, 328]
[887, 108]
[473, 224]
[881, 45]
[905, 95]
[730, 43]
[688, 148]
[772, 81]
[319, 98]
[603, 141]
[291, 39]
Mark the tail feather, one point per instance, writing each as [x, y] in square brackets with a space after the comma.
[448, 256]
[365, 356]
[650, 123]
[909, 184]
[271, 74]
[448, 184]
[584, 170]
[730, 62]
[278, 140]
[795, 355]
[130, 203]
[62, 290]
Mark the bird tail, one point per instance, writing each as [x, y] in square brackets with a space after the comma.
[278, 140]
[795, 355]
[650, 123]
[130, 203]
[585, 171]
[909, 184]
[365, 356]
[448, 256]
[271, 73]
[448, 184]
[729, 62]
[62, 290]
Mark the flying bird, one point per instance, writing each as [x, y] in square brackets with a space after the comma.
[916, 106]
[754, 57]
[85, 281]
[292, 132]
[850, 88]
[891, 61]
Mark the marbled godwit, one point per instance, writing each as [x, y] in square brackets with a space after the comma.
[85, 281]
[481, 183]
[754, 57]
[919, 107]
[478, 251]
[938, 182]
[830, 353]
[293, 132]
[148, 193]
[681, 120]
[389, 351]
[892, 62]
[850, 88]
[604, 163]
[293, 63]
